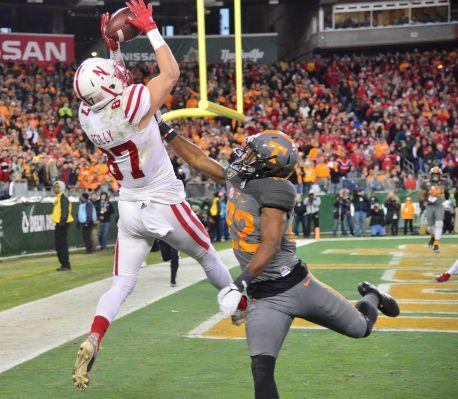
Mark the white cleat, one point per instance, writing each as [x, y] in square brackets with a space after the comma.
[84, 362]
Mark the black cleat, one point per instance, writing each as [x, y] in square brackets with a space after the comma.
[436, 249]
[387, 305]
[431, 242]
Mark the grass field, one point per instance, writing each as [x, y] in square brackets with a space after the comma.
[26, 279]
[149, 354]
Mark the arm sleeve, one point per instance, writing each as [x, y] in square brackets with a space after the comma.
[63, 209]
[279, 194]
[135, 103]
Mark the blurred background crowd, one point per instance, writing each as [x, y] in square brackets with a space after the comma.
[362, 123]
[371, 122]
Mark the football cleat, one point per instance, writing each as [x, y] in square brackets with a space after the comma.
[387, 304]
[436, 249]
[442, 277]
[84, 361]
[431, 242]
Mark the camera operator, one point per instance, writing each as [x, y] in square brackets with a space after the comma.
[341, 209]
[312, 205]
[393, 209]
[362, 206]
[377, 219]
[299, 215]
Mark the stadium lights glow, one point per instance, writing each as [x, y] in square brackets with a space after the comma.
[94, 53]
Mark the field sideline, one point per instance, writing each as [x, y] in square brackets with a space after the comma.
[149, 353]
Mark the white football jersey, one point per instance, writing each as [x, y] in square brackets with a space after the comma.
[137, 159]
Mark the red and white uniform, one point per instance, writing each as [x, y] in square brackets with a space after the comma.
[137, 158]
[152, 200]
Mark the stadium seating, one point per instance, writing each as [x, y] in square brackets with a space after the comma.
[375, 121]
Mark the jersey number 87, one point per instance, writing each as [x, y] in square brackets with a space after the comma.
[119, 150]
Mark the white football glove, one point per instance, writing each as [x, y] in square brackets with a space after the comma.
[229, 299]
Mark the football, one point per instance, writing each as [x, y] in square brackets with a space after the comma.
[118, 29]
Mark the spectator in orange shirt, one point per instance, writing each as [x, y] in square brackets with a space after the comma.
[407, 213]
[322, 172]
[309, 176]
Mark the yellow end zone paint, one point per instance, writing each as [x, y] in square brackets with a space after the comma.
[225, 329]
[429, 291]
[409, 278]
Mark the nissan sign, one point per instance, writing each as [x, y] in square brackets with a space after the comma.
[40, 48]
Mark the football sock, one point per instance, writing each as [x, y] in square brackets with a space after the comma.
[454, 268]
[99, 326]
[438, 226]
[263, 367]
[110, 302]
[216, 271]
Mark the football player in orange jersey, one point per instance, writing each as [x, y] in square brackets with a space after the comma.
[433, 194]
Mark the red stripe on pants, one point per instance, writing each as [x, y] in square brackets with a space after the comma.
[193, 217]
[189, 229]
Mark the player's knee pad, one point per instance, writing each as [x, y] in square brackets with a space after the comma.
[370, 313]
[263, 367]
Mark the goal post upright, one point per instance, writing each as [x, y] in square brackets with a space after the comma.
[207, 108]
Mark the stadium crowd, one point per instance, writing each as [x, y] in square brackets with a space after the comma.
[374, 122]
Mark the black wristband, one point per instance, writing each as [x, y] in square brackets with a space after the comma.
[244, 280]
[167, 132]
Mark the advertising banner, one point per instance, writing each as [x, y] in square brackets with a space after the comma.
[257, 48]
[43, 49]
[27, 228]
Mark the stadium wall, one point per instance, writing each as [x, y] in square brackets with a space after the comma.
[26, 228]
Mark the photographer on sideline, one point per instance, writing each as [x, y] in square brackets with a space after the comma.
[393, 210]
[362, 206]
[299, 215]
[312, 205]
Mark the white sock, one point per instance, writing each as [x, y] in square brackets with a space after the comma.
[454, 268]
[216, 271]
[110, 302]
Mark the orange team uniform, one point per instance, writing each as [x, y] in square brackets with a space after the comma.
[322, 171]
[313, 153]
[309, 174]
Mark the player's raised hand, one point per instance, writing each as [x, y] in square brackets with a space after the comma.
[143, 20]
[110, 42]
[228, 299]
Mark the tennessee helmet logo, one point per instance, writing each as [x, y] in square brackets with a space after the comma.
[276, 149]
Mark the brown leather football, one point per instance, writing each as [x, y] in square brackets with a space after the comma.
[119, 29]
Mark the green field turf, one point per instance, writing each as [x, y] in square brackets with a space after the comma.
[26, 279]
[147, 354]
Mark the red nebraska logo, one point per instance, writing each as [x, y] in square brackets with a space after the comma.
[42, 49]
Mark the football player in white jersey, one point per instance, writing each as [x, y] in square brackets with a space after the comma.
[118, 117]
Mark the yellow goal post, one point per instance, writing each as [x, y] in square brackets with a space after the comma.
[205, 107]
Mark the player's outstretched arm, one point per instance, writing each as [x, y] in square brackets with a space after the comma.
[169, 72]
[190, 153]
